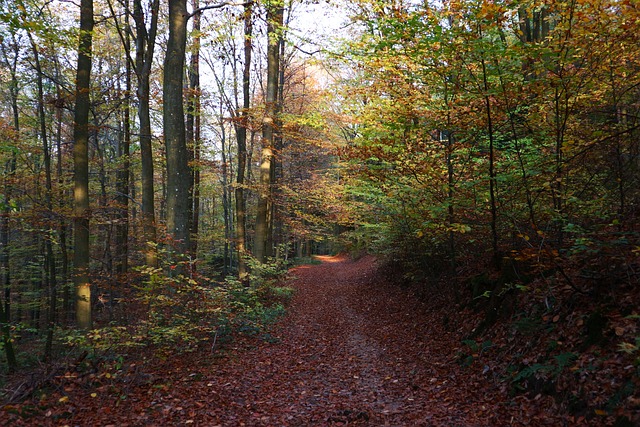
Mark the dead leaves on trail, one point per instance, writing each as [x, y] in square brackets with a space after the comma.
[353, 350]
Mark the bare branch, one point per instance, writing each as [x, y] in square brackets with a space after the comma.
[307, 52]
[217, 6]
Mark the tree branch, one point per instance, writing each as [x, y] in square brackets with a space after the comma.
[307, 52]
[216, 6]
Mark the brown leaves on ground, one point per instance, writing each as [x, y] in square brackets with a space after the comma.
[353, 350]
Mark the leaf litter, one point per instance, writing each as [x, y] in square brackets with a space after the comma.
[354, 349]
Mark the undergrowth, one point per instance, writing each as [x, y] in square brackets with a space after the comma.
[167, 311]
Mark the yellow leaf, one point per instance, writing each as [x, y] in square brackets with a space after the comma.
[94, 394]
[600, 412]
[63, 399]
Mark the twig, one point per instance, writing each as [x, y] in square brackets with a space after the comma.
[215, 338]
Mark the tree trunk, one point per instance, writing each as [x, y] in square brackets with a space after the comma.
[50, 263]
[193, 128]
[81, 169]
[226, 202]
[496, 257]
[5, 265]
[275, 231]
[178, 173]
[274, 23]
[62, 226]
[145, 44]
[241, 137]
[122, 178]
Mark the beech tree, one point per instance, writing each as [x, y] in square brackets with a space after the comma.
[241, 141]
[145, 46]
[178, 172]
[81, 168]
[275, 16]
[193, 125]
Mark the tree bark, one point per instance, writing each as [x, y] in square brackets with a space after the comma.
[275, 15]
[493, 182]
[241, 137]
[178, 173]
[50, 264]
[145, 44]
[193, 128]
[122, 179]
[10, 169]
[81, 169]
[226, 202]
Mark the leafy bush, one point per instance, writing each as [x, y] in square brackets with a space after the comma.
[184, 310]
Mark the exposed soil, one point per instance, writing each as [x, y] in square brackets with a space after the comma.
[353, 350]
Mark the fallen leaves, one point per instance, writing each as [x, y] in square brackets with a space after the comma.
[353, 350]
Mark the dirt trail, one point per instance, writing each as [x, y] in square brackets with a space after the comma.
[353, 350]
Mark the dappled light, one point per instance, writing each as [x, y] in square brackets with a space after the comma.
[331, 259]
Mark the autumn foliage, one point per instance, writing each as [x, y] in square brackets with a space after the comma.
[487, 153]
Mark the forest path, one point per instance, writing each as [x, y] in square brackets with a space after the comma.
[352, 350]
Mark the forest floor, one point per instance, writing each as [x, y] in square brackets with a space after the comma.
[353, 349]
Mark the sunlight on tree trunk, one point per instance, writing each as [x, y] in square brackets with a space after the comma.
[275, 15]
[81, 169]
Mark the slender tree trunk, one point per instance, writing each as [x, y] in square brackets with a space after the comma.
[81, 169]
[50, 262]
[225, 199]
[62, 196]
[178, 172]
[450, 198]
[5, 265]
[145, 44]
[561, 112]
[241, 137]
[275, 233]
[193, 128]
[275, 15]
[122, 179]
[105, 231]
[492, 172]
[450, 180]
